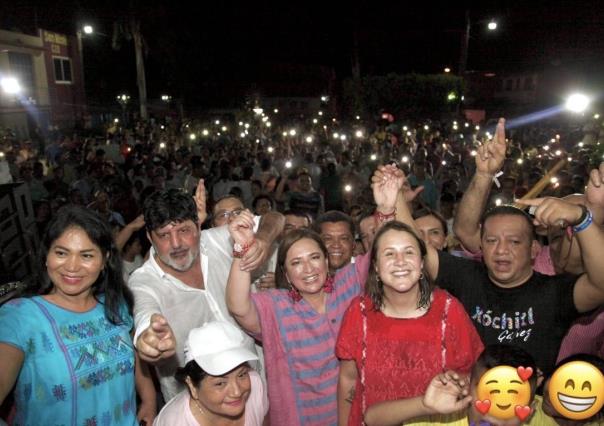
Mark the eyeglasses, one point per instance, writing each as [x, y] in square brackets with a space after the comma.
[226, 214]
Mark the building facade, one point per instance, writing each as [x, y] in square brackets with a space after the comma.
[48, 69]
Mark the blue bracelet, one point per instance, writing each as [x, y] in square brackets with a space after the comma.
[585, 222]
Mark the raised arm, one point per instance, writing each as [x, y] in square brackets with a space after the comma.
[238, 291]
[122, 237]
[200, 202]
[403, 211]
[489, 160]
[270, 228]
[589, 288]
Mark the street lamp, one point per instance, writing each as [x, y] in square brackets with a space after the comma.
[87, 29]
[463, 54]
[123, 100]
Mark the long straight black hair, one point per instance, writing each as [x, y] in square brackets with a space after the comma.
[110, 282]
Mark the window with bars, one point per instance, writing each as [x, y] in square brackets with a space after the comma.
[21, 66]
[62, 70]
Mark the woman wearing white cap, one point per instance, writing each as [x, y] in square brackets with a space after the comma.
[222, 389]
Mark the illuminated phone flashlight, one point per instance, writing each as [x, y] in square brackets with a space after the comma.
[348, 188]
[205, 132]
[358, 134]
[268, 124]
[342, 137]
[558, 153]
[336, 135]
[477, 127]
[224, 128]
[569, 159]
[405, 128]
[288, 164]
[242, 134]
[315, 121]
[444, 163]
[473, 153]
[405, 159]
[320, 113]
[580, 144]
[241, 123]
[308, 139]
[127, 149]
[461, 136]
[552, 140]
[276, 111]
[257, 140]
[270, 149]
[557, 136]
[192, 136]
[265, 118]
[455, 127]
[292, 132]
[373, 157]
[408, 133]
[162, 145]
[333, 120]
[116, 120]
[161, 127]
[2, 154]
[217, 122]
[284, 133]
[466, 125]
[497, 201]
[546, 148]
[426, 127]
[246, 125]
[554, 180]
[520, 161]
[358, 117]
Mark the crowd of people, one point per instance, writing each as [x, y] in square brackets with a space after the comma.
[192, 274]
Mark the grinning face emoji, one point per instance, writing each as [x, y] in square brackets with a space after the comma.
[503, 393]
[576, 390]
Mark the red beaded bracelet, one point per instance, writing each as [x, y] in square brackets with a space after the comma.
[381, 217]
[240, 250]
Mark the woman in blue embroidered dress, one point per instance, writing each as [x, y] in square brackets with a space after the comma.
[67, 350]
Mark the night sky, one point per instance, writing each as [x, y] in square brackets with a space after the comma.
[212, 52]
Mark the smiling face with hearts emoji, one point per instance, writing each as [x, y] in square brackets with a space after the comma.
[504, 392]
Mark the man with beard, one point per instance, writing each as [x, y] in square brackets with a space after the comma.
[182, 284]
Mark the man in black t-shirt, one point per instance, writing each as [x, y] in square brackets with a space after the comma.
[507, 301]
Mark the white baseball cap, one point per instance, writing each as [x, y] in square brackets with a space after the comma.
[217, 347]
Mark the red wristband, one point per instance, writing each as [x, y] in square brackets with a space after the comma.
[380, 217]
[240, 250]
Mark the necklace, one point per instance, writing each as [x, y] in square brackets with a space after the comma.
[199, 408]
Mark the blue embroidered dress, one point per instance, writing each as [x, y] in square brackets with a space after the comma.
[78, 368]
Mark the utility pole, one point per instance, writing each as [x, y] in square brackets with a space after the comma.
[140, 66]
[465, 42]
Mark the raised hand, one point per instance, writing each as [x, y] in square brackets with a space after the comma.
[241, 227]
[157, 341]
[550, 211]
[200, 201]
[447, 393]
[137, 223]
[386, 183]
[490, 156]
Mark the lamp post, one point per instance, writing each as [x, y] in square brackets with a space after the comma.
[86, 29]
[123, 100]
[465, 42]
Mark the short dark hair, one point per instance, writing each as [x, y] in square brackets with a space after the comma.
[429, 212]
[110, 282]
[513, 356]
[289, 240]
[193, 371]
[167, 206]
[333, 216]
[374, 287]
[299, 214]
[507, 210]
[263, 197]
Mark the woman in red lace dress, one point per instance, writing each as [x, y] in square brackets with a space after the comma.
[401, 332]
